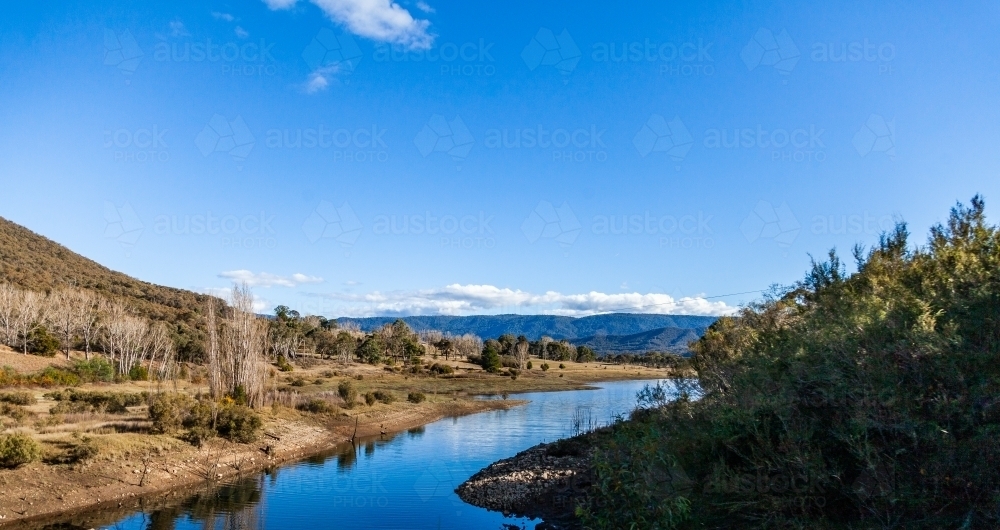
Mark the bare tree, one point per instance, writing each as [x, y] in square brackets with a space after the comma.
[89, 318]
[31, 311]
[468, 344]
[544, 346]
[9, 298]
[114, 329]
[521, 353]
[214, 363]
[244, 345]
[161, 352]
[65, 312]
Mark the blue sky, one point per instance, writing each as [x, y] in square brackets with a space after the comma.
[353, 157]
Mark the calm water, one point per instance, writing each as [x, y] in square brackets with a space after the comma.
[406, 481]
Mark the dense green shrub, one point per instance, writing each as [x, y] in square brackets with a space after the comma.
[383, 396]
[284, 365]
[41, 342]
[529, 365]
[138, 373]
[545, 366]
[490, 359]
[416, 397]
[18, 449]
[15, 412]
[863, 400]
[239, 423]
[169, 410]
[97, 401]
[96, 370]
[370, 398]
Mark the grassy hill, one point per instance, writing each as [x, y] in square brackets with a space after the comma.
[31, 261]
[534, 326]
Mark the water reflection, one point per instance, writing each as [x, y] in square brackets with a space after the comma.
[405, 480]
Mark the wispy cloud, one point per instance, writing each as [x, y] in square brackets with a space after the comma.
[259, 304]
[266, 279]
[379, 20]
[457, 299]
[424, 7]
[223, 16]
[241, 33]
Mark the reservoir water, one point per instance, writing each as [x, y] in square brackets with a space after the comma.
[394, 482]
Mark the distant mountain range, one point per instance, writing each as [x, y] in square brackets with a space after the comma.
[611, 333]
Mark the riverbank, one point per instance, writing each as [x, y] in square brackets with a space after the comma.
[132, 468]
[545, 482]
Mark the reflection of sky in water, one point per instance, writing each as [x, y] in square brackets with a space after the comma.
[407, 481]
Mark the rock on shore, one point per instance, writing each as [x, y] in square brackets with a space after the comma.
[545, 481]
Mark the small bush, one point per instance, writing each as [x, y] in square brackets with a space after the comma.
[18, 449]
[347, 392]
[442, 369]
[283, 364]
[298, 381]
[316, 406]
[562, 366]
[168, 412]
[384, 397]
[96, 370]
[83, 451]
[17, 412]
[138, 373]
[70, 407]
[529, 365]
[18, 398]
[43, 343]
[370, 399]
[545, 367]
[318, 382]
[239, 423]
[416, 397]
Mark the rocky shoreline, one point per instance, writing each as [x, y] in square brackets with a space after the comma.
[544, 482]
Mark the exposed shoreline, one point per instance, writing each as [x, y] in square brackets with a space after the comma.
[85, 497]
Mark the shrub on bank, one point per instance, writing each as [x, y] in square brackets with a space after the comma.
[239, 423]
[18, 398]
[416, 397]
[347, 392]
[863, 400]
[17, 450]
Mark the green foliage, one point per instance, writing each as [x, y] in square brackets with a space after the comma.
[18, 398]
[239, 423]
[168, 411]
[41, 342]
[74, 401]
[17, 450]
[384, 396]
[96, 370]
[370, 399]
[529, 365]
[864, 400]
[442, 369]
[15, 412]
[416, 397]
[371, 350]
[585, 354]
[316, 406]
[545, 366]
[562, 366]
[283, 364]
[560, 351]
[490, 360]
[138, 373]
[347, 392]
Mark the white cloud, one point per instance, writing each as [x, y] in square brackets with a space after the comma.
[223, 16]
[266, 279]
[379, 20]
[459, 299]
[241, 33]
[259, 304]
[319, 79]
[424, 7]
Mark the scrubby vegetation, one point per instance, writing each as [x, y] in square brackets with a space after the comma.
[18, 449]
[203, 418]
[863, 400]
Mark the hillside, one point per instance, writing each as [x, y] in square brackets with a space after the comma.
[534, 326]
[31, 261]
[673, 340]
